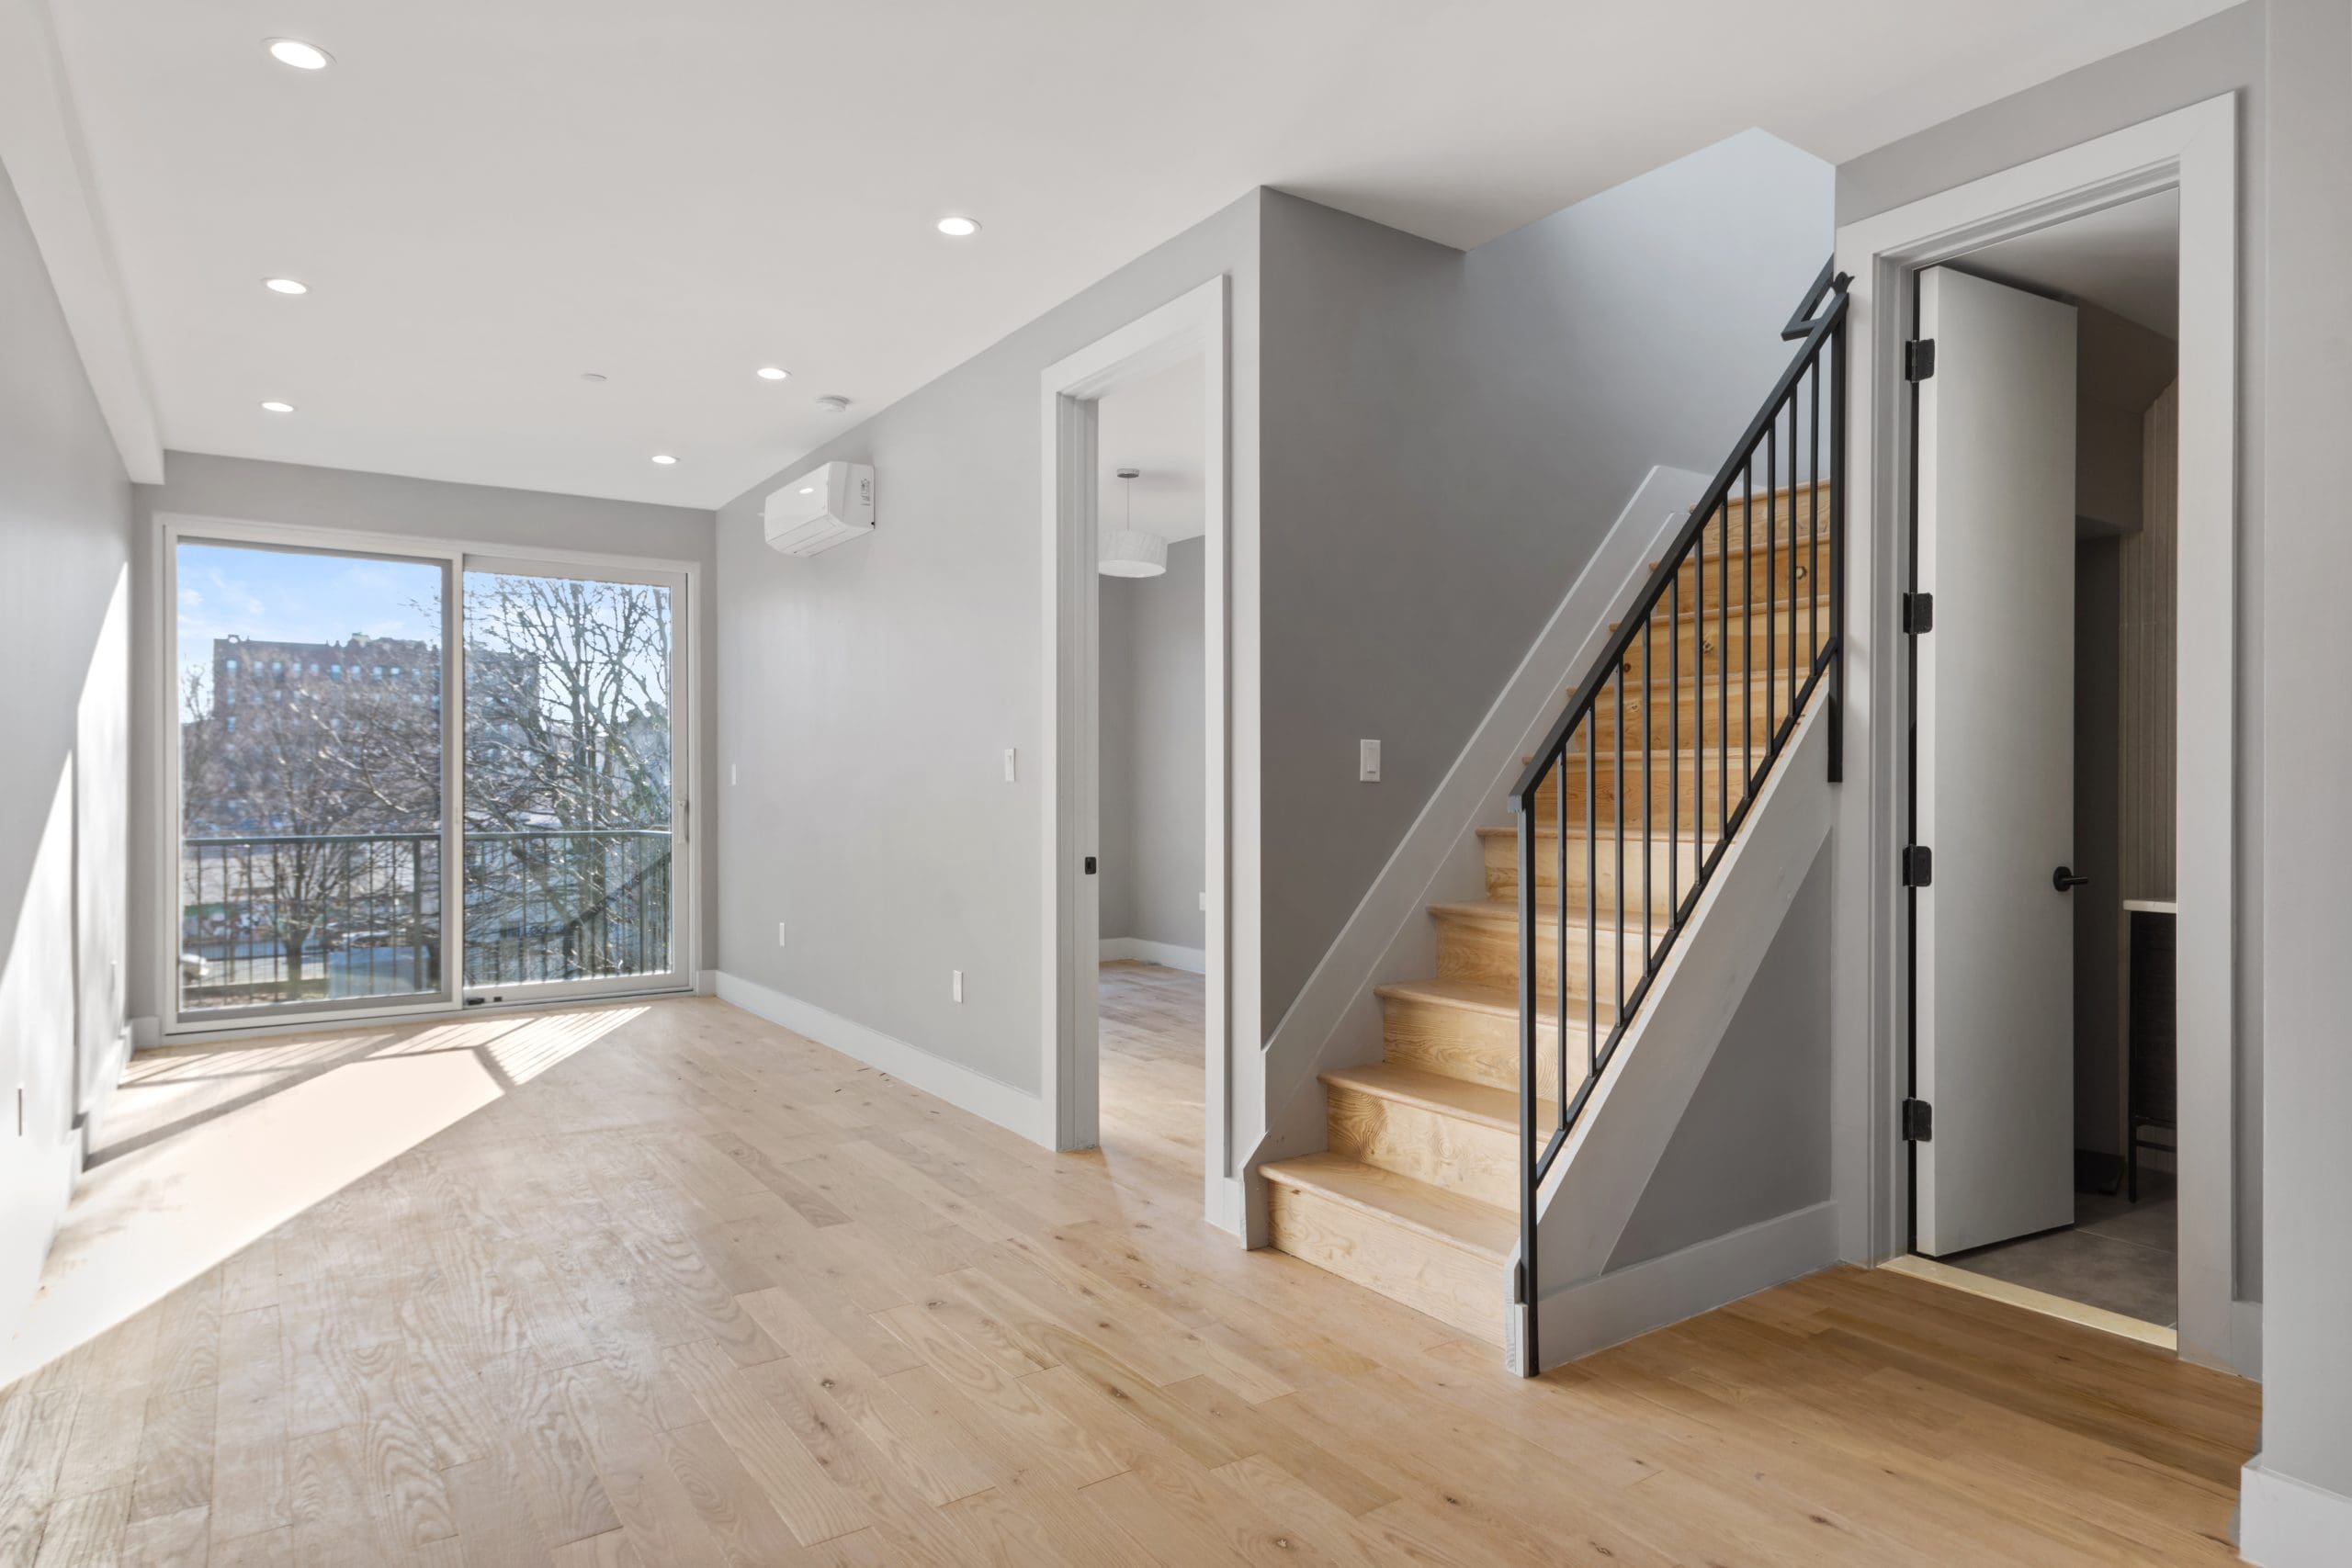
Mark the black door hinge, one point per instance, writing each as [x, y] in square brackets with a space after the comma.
[1918, 866]
[1089, 865]
[1918, 1122]
[1919, 359]
[1918, 613]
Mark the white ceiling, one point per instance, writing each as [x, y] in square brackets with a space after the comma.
[2125, 259]
[1155, 426]
[490, 198]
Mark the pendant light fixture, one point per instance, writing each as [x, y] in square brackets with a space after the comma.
[1130, 551]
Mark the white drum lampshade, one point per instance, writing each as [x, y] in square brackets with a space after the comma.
[1131, 552]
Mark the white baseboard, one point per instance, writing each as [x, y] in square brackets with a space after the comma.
[2287, 1523]
[1631, 1302]
[1016, 1111]
[1140, 950]
[706, 982]
[1336, 1021]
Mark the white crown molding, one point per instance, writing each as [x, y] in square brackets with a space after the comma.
[42, 148]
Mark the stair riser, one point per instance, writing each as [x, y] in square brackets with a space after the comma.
[1776, 517]
[1749, 716]
[1695, 789]
[1502, 873]
[1467, 1043]
[1486, 953]
[1461, 1156]
[1763, 575]
[1777, 640]
[1451, 1285]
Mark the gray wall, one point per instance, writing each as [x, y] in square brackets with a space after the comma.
[1447, 437]
[867, 694]
[519, 520]
[2221, 54]
[1754, 1142]
[2305, 755]
[1155, 781]
[65, 609]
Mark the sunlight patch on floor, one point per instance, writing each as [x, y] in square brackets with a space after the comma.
[303, 1119]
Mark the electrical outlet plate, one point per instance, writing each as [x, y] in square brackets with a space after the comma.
[956, 984]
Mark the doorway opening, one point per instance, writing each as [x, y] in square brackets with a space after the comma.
[1152, 902]
[2042, 676]
[1190, 329]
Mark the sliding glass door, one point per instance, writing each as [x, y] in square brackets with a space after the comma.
[570, 728]
[348, 843]
[311, 761]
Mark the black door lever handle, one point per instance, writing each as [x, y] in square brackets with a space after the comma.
[2066, 881]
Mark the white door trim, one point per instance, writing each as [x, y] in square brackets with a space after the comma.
[1192, 324]
[2195, 151]
[453, 554]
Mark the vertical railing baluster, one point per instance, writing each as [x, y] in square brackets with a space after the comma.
[1649, 782]
[1747, 619]
[1722, 681]
[1560, 937]
[1813, 529]
[1771, 582]
[1838, 549]
[1591, 927]
[1796, 421]
[1674, 759]
[1617, 895]
[1524, 804]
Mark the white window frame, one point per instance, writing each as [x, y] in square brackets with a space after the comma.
[454, 555]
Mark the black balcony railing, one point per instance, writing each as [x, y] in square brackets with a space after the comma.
[287, 918]
[574, 904]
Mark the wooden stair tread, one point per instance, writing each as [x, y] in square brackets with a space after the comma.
[1775, 607]
[1438, 1092]
[1473, 996]
[1505, 912]
[1577, 834]
[1432, 1211]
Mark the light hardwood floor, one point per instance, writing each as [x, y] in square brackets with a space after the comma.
[700, 1293]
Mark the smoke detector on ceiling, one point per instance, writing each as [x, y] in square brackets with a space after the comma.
[832, 402]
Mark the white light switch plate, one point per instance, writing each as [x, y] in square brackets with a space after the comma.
[1368, 762]
[956, 984]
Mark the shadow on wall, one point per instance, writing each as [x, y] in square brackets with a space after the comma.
[62, 947]
[210, 1148]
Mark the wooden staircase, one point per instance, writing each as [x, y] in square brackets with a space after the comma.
[1416, 1196]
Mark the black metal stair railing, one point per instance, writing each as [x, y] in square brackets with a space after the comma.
[1784, 445]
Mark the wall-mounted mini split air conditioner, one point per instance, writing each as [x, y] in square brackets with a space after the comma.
[831, 504]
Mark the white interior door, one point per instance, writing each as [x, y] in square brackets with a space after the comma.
[1994, 769]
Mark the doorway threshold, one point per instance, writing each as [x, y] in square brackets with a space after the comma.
[2042, 1302]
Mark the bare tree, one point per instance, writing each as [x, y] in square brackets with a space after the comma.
[568, 751]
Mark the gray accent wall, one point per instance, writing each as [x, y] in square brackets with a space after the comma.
[1753, 1143]
[2223, 53]
[66, 608]
[1155, 760]
[520, 521]
[1448, 436]
[867, 694]
[2304, 756]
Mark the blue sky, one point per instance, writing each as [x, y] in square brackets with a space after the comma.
[291, 596]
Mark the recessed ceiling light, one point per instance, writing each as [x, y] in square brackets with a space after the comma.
[285, 286]
[770, 373]
[301, 56]
[959, 228]
[274, 406]
[808, 489]
[663, 458]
